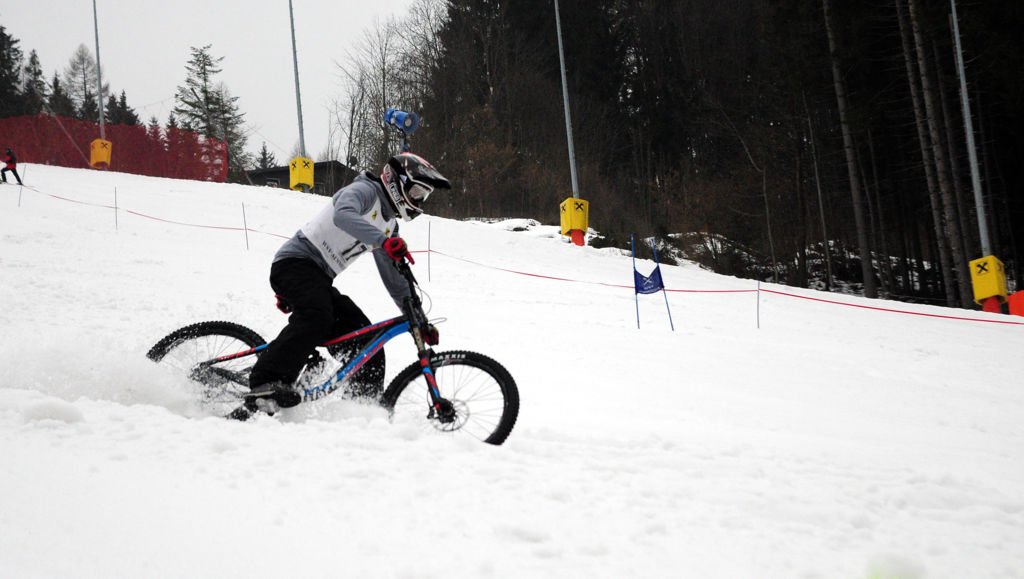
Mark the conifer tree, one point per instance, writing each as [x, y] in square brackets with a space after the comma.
[110, 111]
[206, 106]
[119, 113]
[153, 132]
[265, 159]
[128, 114]
[89, 110]
[11, 101]
[59, 102]
[34, 90]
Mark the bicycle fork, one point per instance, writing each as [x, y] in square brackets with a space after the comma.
[440, 408]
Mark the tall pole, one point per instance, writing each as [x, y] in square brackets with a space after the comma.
[972, 154]
[636, 295]
[99, 76]
[565, 100]
[298, 97]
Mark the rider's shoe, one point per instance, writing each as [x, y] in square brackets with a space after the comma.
[277, 392]
[242, 413]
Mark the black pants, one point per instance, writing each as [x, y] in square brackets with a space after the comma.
[319, 313]
[3, 174]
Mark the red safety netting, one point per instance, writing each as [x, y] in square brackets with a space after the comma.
[62, 141]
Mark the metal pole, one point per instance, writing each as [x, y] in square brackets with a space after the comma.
[758, 315]
[664, 291]
[565, 101]
[298, 97]
[99, 76]
[245, 226]
[636, 298]
[972, 154]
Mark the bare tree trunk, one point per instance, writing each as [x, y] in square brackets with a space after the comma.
[768, 220]
[926, 158]
[885, 265]
[801, 250]
[969, 240]
[906, 284]
[872, 214]
[941, 169]
[866, 266]
[917, 251]
[821, 203]
[764, 192]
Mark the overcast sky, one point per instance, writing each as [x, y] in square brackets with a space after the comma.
[144, 46]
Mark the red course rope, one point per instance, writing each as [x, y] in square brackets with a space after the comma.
[892, 310]
[565, 279]
[838, 303]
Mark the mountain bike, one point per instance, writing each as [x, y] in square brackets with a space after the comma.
[454, 391]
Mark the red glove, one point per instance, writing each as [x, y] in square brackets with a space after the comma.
[282, 304]
[396, 249]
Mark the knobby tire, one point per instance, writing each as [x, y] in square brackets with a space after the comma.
[483, 392]
[222, 385]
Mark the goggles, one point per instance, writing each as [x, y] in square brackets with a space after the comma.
[416, 192]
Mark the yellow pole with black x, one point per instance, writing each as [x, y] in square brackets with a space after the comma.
[99, 153]
[988, 278]
[300, 174]
[99, 149]
[300, 170]
[575, 214]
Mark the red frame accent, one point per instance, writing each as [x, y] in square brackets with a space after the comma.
[362, 331]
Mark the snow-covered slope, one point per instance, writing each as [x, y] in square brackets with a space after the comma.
[830, 442]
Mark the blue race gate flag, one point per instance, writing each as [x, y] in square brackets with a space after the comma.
[648, 284]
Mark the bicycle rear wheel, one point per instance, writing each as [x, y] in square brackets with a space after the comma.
[188, 349]
[481, 397]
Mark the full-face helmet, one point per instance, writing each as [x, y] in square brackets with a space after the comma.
[409, 179]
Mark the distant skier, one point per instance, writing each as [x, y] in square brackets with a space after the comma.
[10, 164]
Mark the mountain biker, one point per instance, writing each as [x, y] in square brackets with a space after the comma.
[362, 217]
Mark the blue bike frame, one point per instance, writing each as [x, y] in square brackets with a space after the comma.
[393, 327]
[387, 330]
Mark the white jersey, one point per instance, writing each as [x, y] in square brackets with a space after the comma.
[338, 247]
[355, 222]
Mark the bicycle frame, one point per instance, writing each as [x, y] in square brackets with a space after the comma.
[385, 332]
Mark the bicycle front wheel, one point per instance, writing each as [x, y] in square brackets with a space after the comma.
[480, 397]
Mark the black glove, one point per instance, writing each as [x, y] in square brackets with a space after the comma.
[282, 304]
[430, 334]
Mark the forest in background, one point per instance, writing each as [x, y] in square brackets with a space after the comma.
[773, 139]
[778, 139]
